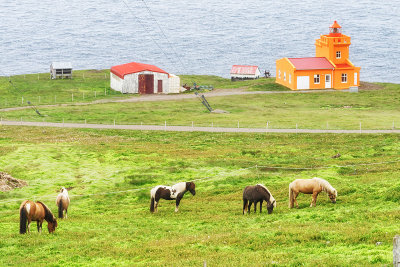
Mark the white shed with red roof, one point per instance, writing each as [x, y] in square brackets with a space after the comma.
[244, 72]
[139, 78]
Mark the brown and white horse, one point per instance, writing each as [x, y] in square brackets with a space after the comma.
[312, 186]
[30, 211]
[257, 193]
[177, 191]
[62, 202]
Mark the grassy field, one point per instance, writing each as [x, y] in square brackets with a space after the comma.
[39, 89]
[90, 85]
[110, 225]
[374, 109]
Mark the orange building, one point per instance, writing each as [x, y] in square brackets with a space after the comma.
[331, 68]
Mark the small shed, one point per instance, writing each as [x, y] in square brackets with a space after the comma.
[175, 84]
[244, 72]
[61, 70]
[139, 78]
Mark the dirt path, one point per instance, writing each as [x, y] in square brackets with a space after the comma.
[156, 97]
[192, 129]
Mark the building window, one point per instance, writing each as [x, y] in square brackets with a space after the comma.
[290, 78]
[316, 78]
[338, 54]
[344, 78]
[279, 74]
[284, 76]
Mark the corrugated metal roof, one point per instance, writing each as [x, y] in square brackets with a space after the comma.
[134, 67]
[61, 65]
[311, 63]
[244, 69]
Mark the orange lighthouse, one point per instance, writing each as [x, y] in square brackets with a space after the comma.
[331, 68]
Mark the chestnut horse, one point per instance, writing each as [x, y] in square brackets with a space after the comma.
[312, 186]
[62, 202]
[30, 211]
[170, 193]
[257, 193]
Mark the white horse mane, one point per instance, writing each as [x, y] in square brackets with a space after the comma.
[272, 199]
[326, 186]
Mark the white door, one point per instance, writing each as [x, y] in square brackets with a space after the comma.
[328, 83]
[355, 78]
[303, 82]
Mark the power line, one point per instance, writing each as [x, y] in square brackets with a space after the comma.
[143, 25]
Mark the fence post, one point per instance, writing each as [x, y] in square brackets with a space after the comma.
[393, 126]
[165, 126]
[238, 124]
[63, 122]
[114, 123]
[22, 100]
[72, 97]
[55, 99]
[360, 126]
[396, 251]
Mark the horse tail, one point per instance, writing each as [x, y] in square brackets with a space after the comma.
[152, 204]
[291, 198]
[23, 218]
[60, 209]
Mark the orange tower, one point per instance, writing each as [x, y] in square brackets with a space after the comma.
[330, 68]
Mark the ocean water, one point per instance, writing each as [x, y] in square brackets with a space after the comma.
[194, 37]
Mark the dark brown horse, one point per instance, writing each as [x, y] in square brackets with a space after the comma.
[177, 191]
[30, 211]
[257, 193]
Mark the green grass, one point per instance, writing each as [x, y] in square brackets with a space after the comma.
[39, 89]
[261, 84]
[375, 109]
[118, 229]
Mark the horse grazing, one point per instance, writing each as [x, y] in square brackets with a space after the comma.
[170, 193]
[62, 202]
[30, 211]
[312, 186]
[257, 193]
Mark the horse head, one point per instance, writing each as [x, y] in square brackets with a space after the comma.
[332, 196]
[190, 186]
[270, 206]
[51, 225]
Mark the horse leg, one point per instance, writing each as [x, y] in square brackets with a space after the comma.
[249, 207]
[245, 203]
[295, 194]
[66, 213]
[178, 200]
[255, 206]
[261, 202]
[29, 225]
[314, 199]
[38, 226]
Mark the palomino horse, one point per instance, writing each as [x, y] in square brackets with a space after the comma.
[312, 186]
[30, 211]
[257, 193]
[62, 202]
[170, 193]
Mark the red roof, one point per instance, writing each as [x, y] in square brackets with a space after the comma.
[335, 25]
[311, 63]
[343, 66]
[134, 67]
[244, 69]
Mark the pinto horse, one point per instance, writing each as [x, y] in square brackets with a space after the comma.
[62, 202]
[30, 211]
[312, 186]
[257, 193]
[177, 191]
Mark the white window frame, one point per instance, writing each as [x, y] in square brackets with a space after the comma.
[290, 78]
[316, 79]
[284, 76]
[344, 77]
[279, 74]
[338, 54]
